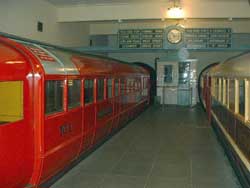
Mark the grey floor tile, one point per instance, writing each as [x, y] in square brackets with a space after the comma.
[168, 183]
[215, 182]
[128, 168]
[169, 169]
[78, 181]
[97, 167]
[118, 181]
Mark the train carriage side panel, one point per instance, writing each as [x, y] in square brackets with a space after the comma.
[17, 150]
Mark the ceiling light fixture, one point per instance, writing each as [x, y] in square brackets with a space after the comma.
[175, 11]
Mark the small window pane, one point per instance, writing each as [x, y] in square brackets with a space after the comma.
[213, 87]
[221, 90]
[100, 89]
[74, 93]
[242, 98]
[54, 96]
[226, 92]
[145, 82]
[110, 84]
[11, 100]
[116, 87]
[232, 95]
[217, 88]
[88, 91]
[123, 89]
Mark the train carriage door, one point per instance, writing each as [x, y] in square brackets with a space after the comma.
[208, 96]
[16, 131]
[104, 109]
[110, 100]
[116, 103]
[167, 82]
[89, 114]
[61, 135]
[74, 110]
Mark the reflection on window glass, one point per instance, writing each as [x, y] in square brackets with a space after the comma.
[11, 100]
[74, 93]
[184, 71]
[100, 89]
[116, 87]
[54, 96]
[242, 97]
[88, 91]
[168, 73]
[232, 95]
[109, 84]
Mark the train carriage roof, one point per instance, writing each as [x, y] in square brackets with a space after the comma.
[238, 66]
[60, 61]
[14, 65]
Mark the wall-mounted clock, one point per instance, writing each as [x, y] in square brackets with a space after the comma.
[174, 36]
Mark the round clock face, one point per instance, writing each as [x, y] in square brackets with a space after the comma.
[174, 36]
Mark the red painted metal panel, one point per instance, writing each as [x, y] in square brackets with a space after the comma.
[89, 126]
[17, 138]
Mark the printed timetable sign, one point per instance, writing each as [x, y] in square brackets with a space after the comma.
[204, 38]
[141, 38]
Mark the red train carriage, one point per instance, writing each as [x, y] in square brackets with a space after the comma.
[55, 105]
[225, 94]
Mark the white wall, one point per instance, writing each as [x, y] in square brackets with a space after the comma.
[20, 17]
[204, 58]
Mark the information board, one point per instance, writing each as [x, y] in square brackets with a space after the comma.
[141, 38]
[202, 38]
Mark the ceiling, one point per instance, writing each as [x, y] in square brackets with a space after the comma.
[101, 2]
[97, 2]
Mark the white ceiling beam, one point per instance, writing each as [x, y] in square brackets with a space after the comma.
[192, 9]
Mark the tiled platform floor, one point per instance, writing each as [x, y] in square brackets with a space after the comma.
[163, 148]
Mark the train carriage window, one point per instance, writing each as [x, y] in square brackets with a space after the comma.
[232, 95]
[217, 88]
[110, 87]
[202, 82]
[54, 96]
[222, 90]
[213, 87]
[74, 93]
[123, 88]
[88, 91]
[130, 83]
[214, 81]
[146, 82]
[242, 97]
[226, 92]
[128, 86]
[100, 89]
[11, 100]
[116, 87]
